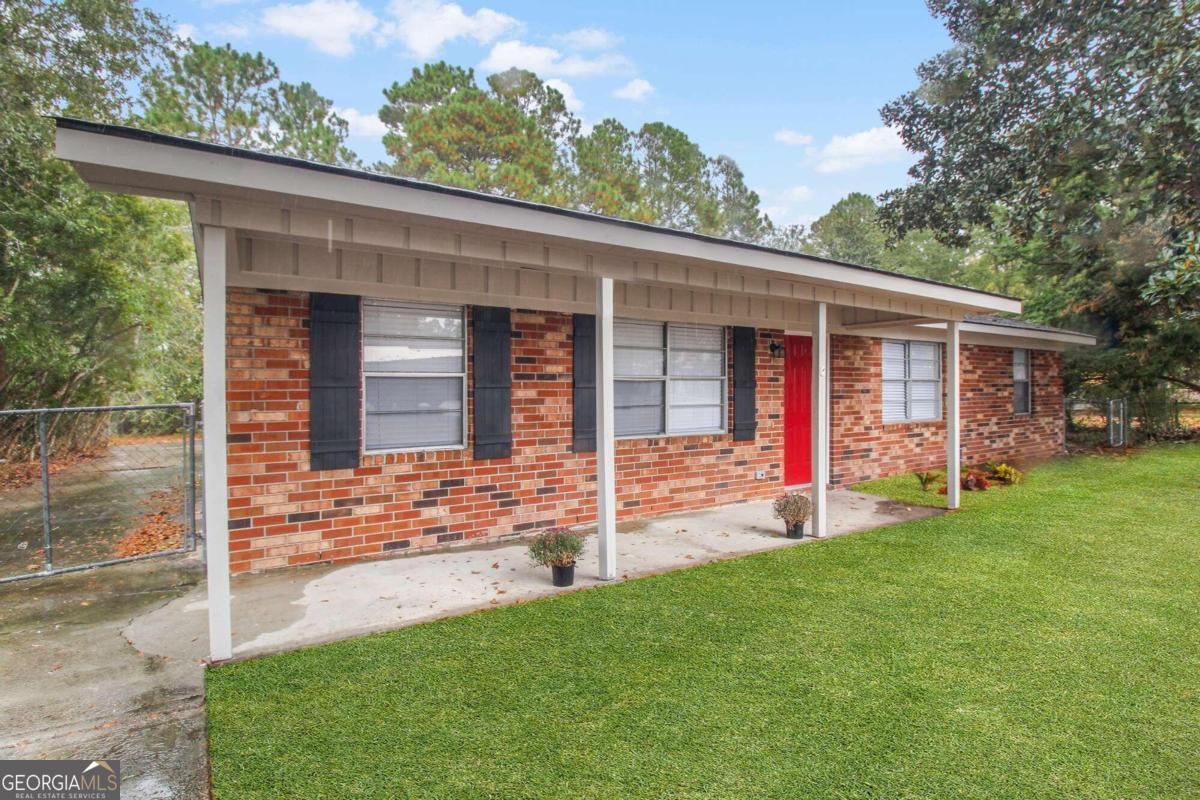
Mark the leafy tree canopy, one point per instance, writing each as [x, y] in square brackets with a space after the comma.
[220, 94]
[92, 286]
[515, 136]
[1072, 129]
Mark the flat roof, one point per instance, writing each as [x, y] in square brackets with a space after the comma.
[153, 137]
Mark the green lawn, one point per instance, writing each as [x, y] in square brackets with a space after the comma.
[1044, 642]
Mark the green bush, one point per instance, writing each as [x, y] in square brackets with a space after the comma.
[556, 547]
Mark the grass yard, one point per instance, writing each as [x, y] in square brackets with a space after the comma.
[1042, 643]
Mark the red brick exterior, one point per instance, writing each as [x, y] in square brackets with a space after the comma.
[283, 514]
[863, 447]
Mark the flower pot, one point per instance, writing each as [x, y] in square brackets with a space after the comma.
[795, 531]
[562, 574]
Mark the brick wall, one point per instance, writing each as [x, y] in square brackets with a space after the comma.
[863, 447]
[281, 513]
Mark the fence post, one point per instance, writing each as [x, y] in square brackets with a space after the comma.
[47, 540]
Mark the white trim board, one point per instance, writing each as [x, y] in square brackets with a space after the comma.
[181, 171]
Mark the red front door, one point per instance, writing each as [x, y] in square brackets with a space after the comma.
[797, 410]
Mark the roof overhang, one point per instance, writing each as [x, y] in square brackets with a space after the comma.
[128, 160]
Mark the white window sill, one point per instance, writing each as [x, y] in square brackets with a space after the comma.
[447, 448]
[629, 437]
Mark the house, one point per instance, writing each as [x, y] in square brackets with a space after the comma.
[392, 365]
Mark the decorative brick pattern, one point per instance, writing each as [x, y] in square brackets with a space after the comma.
[863, 447]
[282, 514]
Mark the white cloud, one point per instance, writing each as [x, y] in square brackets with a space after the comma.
[789, 205]
[794, 138]
[637, 90]
[361, 124]
[863, 149]
[331, 26]
[574, 104]
[230, 30]
[550, 62]
[188, 32]
[423, 26]
[589, 39]
[797, 194]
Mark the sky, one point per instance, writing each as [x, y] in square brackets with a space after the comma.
[791, 90]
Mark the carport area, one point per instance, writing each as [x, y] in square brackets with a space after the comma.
[109, 662]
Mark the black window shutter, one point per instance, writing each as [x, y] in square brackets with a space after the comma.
[745, 412]
[583, 414]
[333, 394]
[492, 330]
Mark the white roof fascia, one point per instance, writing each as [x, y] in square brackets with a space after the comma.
[152, 166]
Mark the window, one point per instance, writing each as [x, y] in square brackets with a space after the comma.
[1022, 391]
[668, 378]
[414, 370]
[912, 381]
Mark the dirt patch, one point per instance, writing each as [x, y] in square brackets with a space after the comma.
[20, 474]
[159, 529]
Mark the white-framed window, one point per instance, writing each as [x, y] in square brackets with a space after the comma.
[414, 376]
[669, 378]
[912, 381]
[1022, 383]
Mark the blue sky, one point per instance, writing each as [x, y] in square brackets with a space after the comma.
[792, 91]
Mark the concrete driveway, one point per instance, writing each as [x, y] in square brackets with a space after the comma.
[74, 687]
[110, 662]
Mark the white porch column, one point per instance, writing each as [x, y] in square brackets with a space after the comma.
[216, 489]
[606, 479]
[953, 450]
[820, 418]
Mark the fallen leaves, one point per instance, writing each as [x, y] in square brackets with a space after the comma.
[26, 473]
[159, 529]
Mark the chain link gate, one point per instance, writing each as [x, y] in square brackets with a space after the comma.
[97, 485]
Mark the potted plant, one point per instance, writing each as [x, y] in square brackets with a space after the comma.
[558, 549]
[794, 509]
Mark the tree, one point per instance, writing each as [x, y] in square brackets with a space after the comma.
[849, 231]
[676, 179]
[212, 93]
[740, 215]
[219, 94]
[303, 124]
[90, 284]
[445, 129]
[608, 177]
[1077, 127]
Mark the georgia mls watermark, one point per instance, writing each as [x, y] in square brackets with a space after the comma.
[60, 780]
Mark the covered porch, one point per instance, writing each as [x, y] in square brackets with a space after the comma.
[274, 224]
[283, 610]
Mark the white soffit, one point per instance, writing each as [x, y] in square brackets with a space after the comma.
[125, 160]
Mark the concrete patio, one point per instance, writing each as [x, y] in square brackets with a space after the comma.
[294, 608]
[112, 659]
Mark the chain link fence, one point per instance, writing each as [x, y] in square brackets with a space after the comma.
[88, 487]
[1126, 421]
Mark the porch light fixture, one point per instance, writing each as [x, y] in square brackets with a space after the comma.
[777, 350]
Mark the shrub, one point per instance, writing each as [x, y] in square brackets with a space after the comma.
[926, 479]
[793, 508]
[556, 547]
[1007, 474]
[975, 480]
